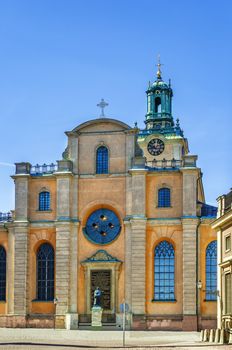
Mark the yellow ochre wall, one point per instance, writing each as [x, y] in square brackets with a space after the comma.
[37, 237]
[35, 187]
[172, 234]
[94, 194]
[206, 235]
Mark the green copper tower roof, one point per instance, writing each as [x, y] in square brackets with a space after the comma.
[159, 106]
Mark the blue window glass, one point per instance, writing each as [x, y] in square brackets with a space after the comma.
[44, 200]
[211, 271]
[2, 273]
[164, 198]
[102, 160]
[164, 269]
[45, 272]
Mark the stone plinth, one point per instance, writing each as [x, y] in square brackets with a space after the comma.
[71, 321]
[96, 316]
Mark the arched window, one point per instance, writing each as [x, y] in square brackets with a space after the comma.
[164, 271]
[45, 272]
[157, 105]
[2, 273]
[44, 201]
[102, 160]
[211, 271]
[164, 197]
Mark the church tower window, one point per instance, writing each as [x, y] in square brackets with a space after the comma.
[157, 105]
[102, 160]
[44, 201]
[2, 273]
[164, 197]
[164, 272]
[45, 272]
[211, 271]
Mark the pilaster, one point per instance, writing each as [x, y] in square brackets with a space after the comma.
[189, 273]
[73, 152]
[62, 267]
[20, 268]
[138, 267]
[21, 196]
[138, 192]
[128, 263]
[190, 176]
[10, 270]
[63, 195]
[73, 268]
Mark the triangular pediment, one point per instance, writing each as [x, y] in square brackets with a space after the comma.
[101, 256]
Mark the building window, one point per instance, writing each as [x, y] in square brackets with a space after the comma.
[228, 293]
[164, 198]
[102, 160]
[2, 273]
[164, 272]
[157, 105]
[211, 271]
[45, 272]
[44, 201]
[227, 243]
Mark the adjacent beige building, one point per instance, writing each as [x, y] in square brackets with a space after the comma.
[223, 226]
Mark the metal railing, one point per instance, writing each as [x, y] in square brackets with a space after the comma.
[164, 164]
[43, 169]
[5, 217]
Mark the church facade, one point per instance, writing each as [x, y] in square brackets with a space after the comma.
[123, 210]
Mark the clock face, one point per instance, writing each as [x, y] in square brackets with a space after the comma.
[103, 226]
[155, 147]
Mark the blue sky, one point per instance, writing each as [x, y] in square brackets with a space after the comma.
[59, 58]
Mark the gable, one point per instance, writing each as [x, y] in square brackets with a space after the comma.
[100, 125]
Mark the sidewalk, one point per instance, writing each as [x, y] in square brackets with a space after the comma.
[88, 338]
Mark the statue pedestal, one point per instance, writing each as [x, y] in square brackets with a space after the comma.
[96, 316]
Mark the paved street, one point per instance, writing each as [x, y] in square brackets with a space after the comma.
[37, 339]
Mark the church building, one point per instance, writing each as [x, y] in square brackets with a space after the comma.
[123, 210]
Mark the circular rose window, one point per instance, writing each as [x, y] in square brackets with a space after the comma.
[102, 226]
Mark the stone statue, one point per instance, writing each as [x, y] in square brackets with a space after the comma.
[97, 297]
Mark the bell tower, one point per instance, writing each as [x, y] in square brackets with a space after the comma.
[159, 103]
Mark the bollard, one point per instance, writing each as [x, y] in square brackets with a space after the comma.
[230, 336]
[202, 335]
[222, 336]
[206, 335]
[217, 335]
[211, 335]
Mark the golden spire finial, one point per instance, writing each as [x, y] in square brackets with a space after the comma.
[158, 74]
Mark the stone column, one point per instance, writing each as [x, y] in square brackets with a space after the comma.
[18, 247]
[20, 272]
[138, 247]
[62, 271]
[189, 274]
[66, 253]
[138, 267]
[128, 252]
[10, 270]
[72, 315]
[190, 223]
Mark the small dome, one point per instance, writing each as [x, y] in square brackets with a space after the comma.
[160, 84]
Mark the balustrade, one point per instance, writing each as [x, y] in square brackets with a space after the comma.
[43, 169]
[164, 164]
[5, 217]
